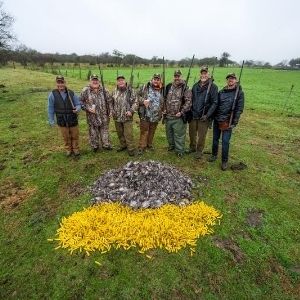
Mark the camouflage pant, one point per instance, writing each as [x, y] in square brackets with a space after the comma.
[99, 136]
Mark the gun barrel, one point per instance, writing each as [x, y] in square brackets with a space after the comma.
[236, 95]
[242, 67]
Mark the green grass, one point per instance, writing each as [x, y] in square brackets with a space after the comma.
[49, 186]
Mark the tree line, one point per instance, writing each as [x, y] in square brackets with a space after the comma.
[24, 55]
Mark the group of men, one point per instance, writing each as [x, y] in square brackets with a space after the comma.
[175, 104]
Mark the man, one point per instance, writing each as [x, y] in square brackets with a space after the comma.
[204, 103]
[97, 104]
[177, 103]
[124, 106]
[222, 118]
[150, 102]
[65, 105]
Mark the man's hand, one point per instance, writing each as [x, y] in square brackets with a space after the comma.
[146, 102]
[203, 118]
[178, 115]
[231, 126]
[129, 114]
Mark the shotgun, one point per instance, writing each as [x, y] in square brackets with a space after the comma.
[236, 96]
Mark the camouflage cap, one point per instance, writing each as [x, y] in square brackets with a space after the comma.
[94, 77]
[204, 69]
[60, 78]
[156, 75]
[231, 75]
[120, 77]
[177, 73]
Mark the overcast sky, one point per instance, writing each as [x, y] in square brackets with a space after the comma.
[247, 29]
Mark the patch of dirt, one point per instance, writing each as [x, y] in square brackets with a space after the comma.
[255, 217]
[2, 166]
[285, 281]
[238, 166]
[12, 195]
[232, 247]
[231, 198]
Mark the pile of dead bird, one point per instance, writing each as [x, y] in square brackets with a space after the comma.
[146, 184]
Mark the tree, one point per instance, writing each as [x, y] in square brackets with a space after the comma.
[295, 62]
[118, 55]
[224, 60]
[6, 35]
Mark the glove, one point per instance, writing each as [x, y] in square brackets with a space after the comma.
[203, 118]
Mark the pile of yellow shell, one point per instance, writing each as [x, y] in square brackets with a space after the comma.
[112, 225]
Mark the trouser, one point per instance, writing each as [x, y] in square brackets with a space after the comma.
[226, 135]
[176, 130]
[71, 138]
[197, 131]
[125, 134]
[147, 131]
[99, 136]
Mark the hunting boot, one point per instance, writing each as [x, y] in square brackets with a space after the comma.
[212, 158]
[224, 166]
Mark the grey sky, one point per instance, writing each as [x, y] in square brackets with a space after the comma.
[251, 29]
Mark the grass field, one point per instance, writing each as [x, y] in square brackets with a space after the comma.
[239, 261]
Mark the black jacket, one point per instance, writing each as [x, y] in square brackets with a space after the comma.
[225, 102]
[198, 98]
[65, 116]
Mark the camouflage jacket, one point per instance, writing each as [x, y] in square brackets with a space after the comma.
[153, 112]
[121, 103]
[88, 97]
[174, 102]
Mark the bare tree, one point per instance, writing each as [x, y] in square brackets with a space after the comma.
[6, 35]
